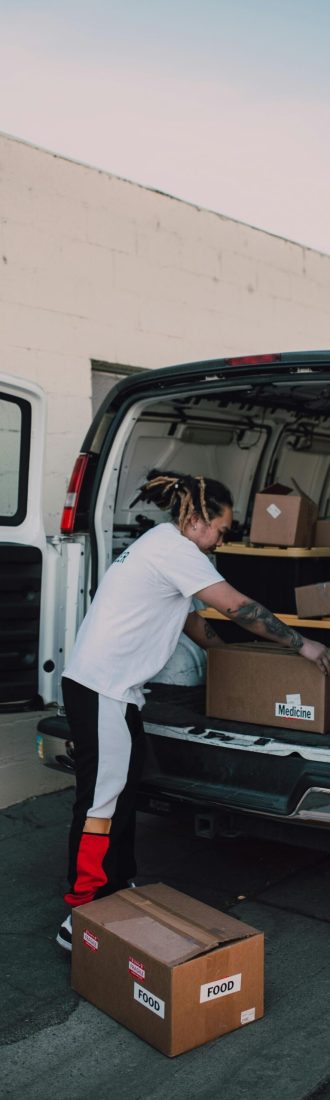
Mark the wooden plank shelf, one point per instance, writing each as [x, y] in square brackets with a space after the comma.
[289, 620]
[274, 551]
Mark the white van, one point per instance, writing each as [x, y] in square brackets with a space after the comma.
[248, 422]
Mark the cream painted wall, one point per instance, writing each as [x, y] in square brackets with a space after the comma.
[94, 267]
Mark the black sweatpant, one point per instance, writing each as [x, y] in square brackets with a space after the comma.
[100, 864]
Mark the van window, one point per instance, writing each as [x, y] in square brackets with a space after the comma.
[15, 430]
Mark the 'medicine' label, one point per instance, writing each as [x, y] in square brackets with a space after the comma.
[291, 710]
[221, 987]
[149, 1000]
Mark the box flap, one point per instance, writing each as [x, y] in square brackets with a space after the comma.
[301, 492]
[200, 924]
[158, 940]
[276, 489]
[166, 924]
[197, 913]
[258, 647]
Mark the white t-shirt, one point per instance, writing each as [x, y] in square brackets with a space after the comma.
[137, 615]
[187, 665]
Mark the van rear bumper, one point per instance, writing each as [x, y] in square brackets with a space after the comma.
[160, 796]
[54, 745]
[181, 773]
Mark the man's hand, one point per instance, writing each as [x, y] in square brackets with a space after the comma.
[315, 651]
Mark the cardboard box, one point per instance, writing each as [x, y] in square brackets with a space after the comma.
[283, 518]
[313, 600]
[173, 970]
[267, 686]
[322, 533]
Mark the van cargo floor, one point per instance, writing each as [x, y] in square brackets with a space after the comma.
[173, 705]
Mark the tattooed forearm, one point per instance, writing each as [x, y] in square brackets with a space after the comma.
[208, 631]
[256, 618]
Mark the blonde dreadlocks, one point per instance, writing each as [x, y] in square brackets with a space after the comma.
[182, 495]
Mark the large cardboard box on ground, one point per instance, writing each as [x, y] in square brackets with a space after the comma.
[313, 600]
[283, 518]
[173, 970]
[268, 686]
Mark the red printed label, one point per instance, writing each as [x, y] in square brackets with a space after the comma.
[136, 968]
[90, 940]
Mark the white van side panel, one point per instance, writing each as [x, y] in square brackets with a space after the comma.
[63, 607]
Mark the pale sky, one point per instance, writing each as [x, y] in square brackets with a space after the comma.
[223, 103]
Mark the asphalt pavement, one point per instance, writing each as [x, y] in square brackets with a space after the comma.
[59, 1047]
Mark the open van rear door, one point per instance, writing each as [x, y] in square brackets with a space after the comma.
[22, 537]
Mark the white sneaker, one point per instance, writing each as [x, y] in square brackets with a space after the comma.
[64, 936]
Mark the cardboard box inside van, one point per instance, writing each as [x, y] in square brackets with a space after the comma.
[175, 971]
[268, 686]
[283, 518]
[313, 600]
[322, 533]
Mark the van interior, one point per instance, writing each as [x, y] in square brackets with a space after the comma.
[247, 438]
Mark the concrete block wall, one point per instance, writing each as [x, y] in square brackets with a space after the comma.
[94, 267]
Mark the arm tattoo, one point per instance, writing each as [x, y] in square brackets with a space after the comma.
[253, 613]
[208, 630]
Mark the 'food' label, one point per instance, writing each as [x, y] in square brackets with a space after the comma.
[149, 1000]
[221, 987]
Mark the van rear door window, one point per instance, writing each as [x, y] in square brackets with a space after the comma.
[15, 431]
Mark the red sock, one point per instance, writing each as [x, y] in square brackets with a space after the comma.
[91, 876]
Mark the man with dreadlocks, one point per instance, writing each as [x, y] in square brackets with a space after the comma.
[132, 627]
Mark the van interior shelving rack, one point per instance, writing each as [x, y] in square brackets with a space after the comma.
[246, 550]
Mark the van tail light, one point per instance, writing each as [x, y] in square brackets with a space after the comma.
[76, 483]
